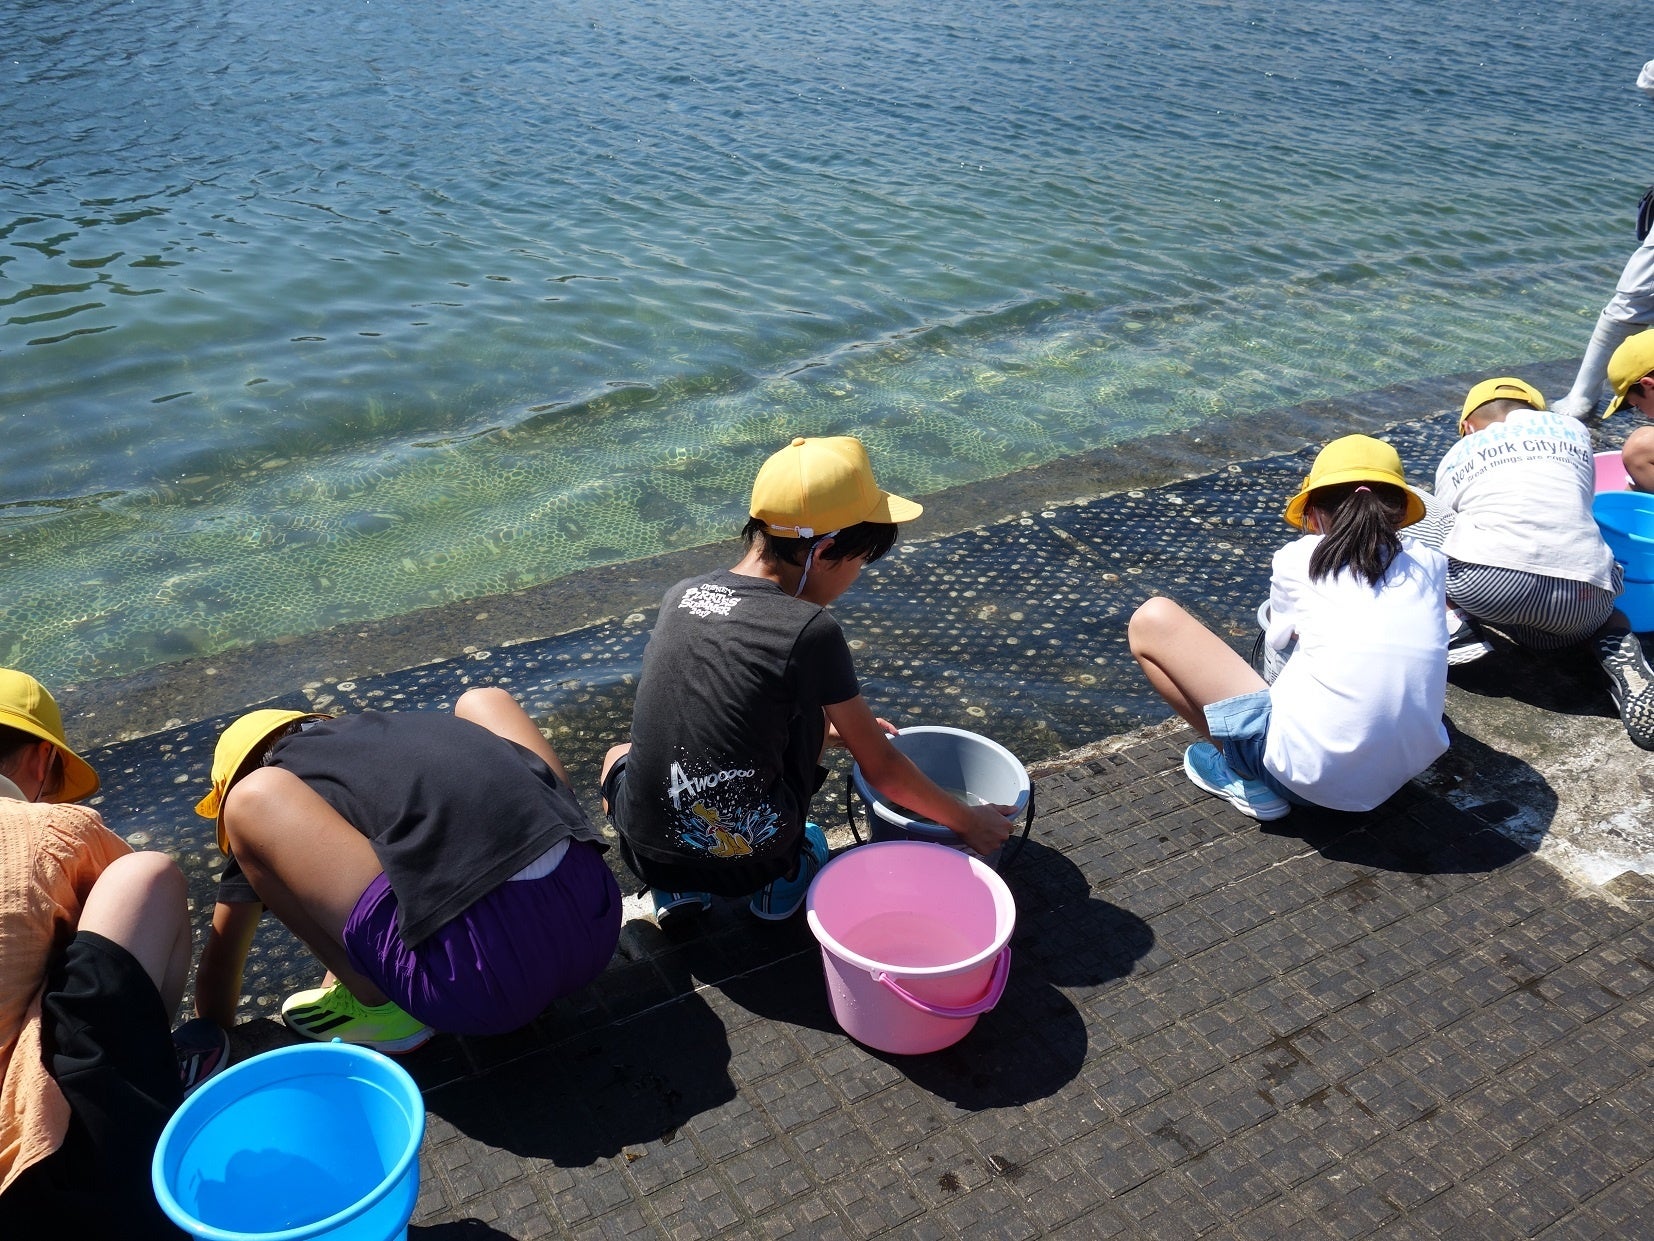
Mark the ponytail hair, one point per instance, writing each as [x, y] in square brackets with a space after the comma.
[1358, 524]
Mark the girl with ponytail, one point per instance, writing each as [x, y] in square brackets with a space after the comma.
[1357, 711]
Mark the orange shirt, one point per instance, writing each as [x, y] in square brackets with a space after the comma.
[49, 857]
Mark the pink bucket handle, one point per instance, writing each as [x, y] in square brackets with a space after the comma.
[996, 988]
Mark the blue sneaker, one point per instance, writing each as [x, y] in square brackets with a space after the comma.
[781, 898]
[1204, 764]
[672, 908]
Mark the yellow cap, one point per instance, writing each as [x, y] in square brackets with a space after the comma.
[1504, 388]
[235, 743]
[1633, 360]
[1354, 459]
[26, 705]
[815, 486]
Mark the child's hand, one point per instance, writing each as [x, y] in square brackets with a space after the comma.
[988, 828]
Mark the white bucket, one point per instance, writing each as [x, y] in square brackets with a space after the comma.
[966, 764]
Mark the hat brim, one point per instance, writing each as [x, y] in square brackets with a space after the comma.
[894, 509]
[79, 780]
[1614, 405]
[1294, 512]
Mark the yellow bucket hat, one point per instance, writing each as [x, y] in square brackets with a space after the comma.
[26, 705]
[235, 743]
[1354, 459]
[814, 486]
[1507, 387]
[1631, 361]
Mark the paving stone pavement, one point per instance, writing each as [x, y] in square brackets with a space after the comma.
[1395, 1024]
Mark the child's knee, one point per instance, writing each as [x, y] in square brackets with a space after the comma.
[482, 700]
[258, 798]
[1153, 617]
[1638, 456]
[145, 877]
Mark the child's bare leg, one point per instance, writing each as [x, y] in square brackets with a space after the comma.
[1188, 665]
[1638, 456]
[306, 863]
[500, 713]
[614, 754]
[140, 903]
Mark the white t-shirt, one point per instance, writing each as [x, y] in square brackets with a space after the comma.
[1357, 711]
[1522, 489]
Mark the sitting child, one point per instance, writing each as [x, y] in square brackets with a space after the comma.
[1523, 551]
[438, 865]
[1631, 372]
[94, 949]
[1357, 711]
[745, 680]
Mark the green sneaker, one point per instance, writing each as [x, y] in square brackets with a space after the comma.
[326, 1013]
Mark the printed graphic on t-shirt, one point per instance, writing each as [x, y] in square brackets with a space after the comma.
[708, 599]
[716, 813]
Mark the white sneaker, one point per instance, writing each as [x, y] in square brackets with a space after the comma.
[1465, 640]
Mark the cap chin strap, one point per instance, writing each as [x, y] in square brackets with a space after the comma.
[810, 559]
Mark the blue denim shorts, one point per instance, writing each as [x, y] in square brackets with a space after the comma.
[1240, 726]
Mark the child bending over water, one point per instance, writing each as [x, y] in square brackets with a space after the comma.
[1357, 711]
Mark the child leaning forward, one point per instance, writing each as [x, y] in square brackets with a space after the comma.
[1357, 711]
[746, 678]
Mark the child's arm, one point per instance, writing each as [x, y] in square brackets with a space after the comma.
[984, 828]
[224, 960]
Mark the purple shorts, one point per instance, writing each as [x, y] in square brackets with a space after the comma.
[498, 965]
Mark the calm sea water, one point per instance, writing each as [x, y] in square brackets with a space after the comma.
[320, 312]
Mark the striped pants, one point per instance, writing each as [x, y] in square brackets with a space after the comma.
[1543, 613]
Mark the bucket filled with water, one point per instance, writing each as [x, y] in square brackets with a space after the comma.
[966, 764]
[309, 1142]
[915, 941]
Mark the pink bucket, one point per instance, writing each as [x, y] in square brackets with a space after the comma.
[915, 939]
[1610, 472]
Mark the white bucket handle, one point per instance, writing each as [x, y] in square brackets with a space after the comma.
[996, 988]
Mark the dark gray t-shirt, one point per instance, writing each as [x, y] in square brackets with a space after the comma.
[726, 734]
[452, 810]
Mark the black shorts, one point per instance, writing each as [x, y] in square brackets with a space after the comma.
[107, 1042]
[736, 877]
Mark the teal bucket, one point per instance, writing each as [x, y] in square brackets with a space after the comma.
[315, 1141]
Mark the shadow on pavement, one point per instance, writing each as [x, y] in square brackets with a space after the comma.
[628, 1083]
[458, 1230]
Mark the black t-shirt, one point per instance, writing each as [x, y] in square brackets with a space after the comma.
[452, 810]
[726, 733]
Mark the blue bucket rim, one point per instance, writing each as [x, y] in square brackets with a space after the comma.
[404, 1084]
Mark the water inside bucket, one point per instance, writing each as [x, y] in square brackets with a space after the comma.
[910, 939]
[298, 1153]
[273, 1190]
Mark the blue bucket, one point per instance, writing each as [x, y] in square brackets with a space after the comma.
[315, 1141]
[1626, 519]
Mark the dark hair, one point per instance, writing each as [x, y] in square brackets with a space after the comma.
[259, 755]
[1358, 524]
[868, 539]
[13, 743]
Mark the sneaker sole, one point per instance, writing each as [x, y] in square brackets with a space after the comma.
[1276, 810]
[390, 1046]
